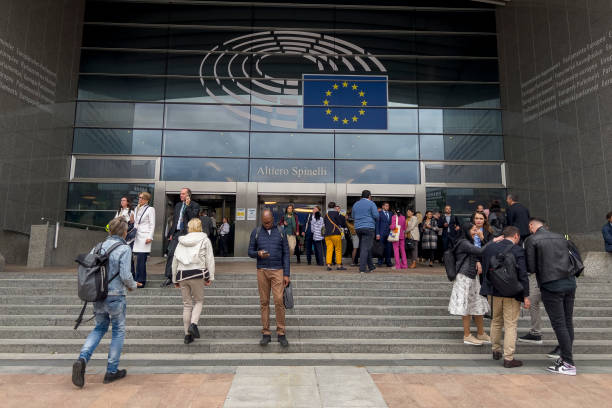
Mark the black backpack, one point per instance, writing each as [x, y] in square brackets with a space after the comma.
[93, 276]
[503, 275]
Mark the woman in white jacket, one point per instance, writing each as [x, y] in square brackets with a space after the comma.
[193, 267]
[144, 222]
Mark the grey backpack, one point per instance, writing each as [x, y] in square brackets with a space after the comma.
[93, 276]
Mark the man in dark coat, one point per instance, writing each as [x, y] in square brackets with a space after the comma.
[517, 215]
[383, 228]
[451, 227]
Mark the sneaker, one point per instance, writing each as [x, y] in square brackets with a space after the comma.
[341, 268]
[484, 338]
[561, 367]
[531, 338]
[282, 339]
[472, 341]
[78, 372]
[188, 339]
[555, 354]
[265, 340]
[110, 377]
[512, 363]
[193, 330]
[329, 268]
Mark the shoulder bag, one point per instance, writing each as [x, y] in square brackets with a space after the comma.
[131, 235]
[336, 227]
[394, 234]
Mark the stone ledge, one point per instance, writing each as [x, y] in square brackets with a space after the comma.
[598, 264]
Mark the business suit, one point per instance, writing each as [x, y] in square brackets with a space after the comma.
[383, 227]
[449, 234]
[518, 216]
[189, 211]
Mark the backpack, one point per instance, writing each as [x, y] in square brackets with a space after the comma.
[576, 265]
[497, 222]
[502, 274]
[92, 276]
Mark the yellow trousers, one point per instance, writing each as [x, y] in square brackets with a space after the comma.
[334, 242]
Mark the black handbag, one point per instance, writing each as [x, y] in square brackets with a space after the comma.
[288, 296]
[192, 274]
[131, 234]
[410, 245]
[378, 251]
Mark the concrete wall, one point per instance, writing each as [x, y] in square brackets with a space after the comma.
[39, 60]
[556, 75]
[14, 247]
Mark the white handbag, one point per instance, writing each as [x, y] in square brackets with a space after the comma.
[394, 234]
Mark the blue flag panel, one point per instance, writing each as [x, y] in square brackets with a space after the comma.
[345, 102]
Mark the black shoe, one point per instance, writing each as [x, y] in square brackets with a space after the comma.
[265, 340]
[188, 339]
[193, 330]
[283, 341]
[329, 268]
[372, 268]
[512, 363]
[110, 377]
[497, 355]
[389, 265]
[555, 354]
[531, 338]
[165, 283]
[78, 372]
[309, 263]
[341, 268]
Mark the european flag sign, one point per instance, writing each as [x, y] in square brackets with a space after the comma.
[345, 102]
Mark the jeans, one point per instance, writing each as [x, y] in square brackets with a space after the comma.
[318, 250]
[308, 246]
[111, 310]
[366, 239]
[560, 309]
[141, 267]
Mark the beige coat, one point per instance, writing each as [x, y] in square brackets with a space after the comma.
[412, 227]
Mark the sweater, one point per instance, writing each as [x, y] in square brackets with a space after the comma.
[365, 214]
[194, 251]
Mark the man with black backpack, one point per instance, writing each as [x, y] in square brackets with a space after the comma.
[112, 309]
[507, 282]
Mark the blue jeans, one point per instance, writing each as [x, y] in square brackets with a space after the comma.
[366, 239]
[111, 310]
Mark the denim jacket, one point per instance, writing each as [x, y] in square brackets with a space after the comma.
[120, 260]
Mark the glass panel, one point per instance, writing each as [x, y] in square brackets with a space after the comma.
[182, 116]
[124, 37]
[460, 121]
[371, 146]
[211, 14]
[192, 90]
[456, 45]
[124, 12]
[107, 168]
[467, 21]
[121, 88]
[375, 19]
[297, 145]
[204, 40]
[456, 173]
[459, 95]
[296, 171]
[204, 169]
[117, 141]
[463, 200]
[119, 62]
[123, 115]
[452, 147]
[89, 218]
[377, 172]
[104, 196]
[403, 120]
[457, 70]
[402, 95]
[220, 144]
[289, 17]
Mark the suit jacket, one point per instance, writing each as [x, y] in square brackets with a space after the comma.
[521, 268]
[191, 211]
[383, 225]
[454, 221]
[518, 216]
[607, 235]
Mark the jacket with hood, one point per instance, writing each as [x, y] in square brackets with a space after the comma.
[194, 251]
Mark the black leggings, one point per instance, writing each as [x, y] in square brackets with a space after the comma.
[429, 254]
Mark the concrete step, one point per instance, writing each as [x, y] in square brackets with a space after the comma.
[251, 345]
[301, 332]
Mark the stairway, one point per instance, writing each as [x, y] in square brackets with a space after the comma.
[384, 319]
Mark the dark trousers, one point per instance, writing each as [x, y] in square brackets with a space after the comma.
[366, 239]
[447, 242]
[318, 250]
[223, 247]
[141, 267]
[171, 248]
[560, 309]
[429, 254]
[308, 246]
[388, 246]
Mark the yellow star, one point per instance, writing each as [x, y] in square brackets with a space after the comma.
[345, 121]
[361, 93]
[328, 93]
[355, 87]
[361, 111]
[344, 84]
[326, 102]
[335, 118]
[364, 103]
[335, 86]
[328, 111]
[355, 118]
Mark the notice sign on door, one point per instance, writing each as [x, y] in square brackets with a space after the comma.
[240, 214]
[251, 214]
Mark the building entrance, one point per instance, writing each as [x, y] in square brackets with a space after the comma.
[395, 203]
[303, 205]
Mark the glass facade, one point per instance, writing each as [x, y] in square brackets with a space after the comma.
[215, 92]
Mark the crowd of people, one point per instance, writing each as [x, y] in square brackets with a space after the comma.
[539, 260]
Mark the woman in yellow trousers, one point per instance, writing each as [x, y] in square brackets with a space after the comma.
[335, 224]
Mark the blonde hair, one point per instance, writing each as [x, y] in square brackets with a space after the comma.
[118, 226]
[146, 195]
[194, 225]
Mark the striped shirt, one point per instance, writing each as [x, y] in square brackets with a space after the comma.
[315, 227]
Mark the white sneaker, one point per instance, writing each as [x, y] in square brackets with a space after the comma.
[472, 341]
[561, 367]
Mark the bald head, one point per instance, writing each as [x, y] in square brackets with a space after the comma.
[267, 219]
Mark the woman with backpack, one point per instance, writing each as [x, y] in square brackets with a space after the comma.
[193, 267]
[465, 300]
[144, 224]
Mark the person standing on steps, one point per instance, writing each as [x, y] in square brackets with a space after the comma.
[110, 310]
[316, 226]
[429, 237]
[184, 211]
[193, 267]
[144, 223]
[268, 244]
[290, 222]
[517, 215]
[606, 231]
[383, 227]
[412, 238]
[335, 224]
[366, 216]
[451, 226]
[307, 235]
[399, 247]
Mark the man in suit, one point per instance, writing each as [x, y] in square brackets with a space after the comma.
[383, 228]
[517, 215]
[450, 227]
[184, 211]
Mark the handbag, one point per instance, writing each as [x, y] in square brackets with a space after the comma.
[378, 251]
[192, 274]
[288, 296]
[394, 234]
[131, 234]
[410, 244]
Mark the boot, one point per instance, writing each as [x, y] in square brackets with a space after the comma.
[412, 265]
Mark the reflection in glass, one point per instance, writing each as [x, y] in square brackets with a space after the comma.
[453, 147]
[121, 115]
[114, 62]
[103, 196]
[373, 146]
[459, 95]
[194, 143]
[457, 173]
[117, 141]
[213, 117]
[204, 169]
[96, 87]
[460, 121]
[295, 171]
[463, 200]
[108, 168]
[377, 172]
[298, 145]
